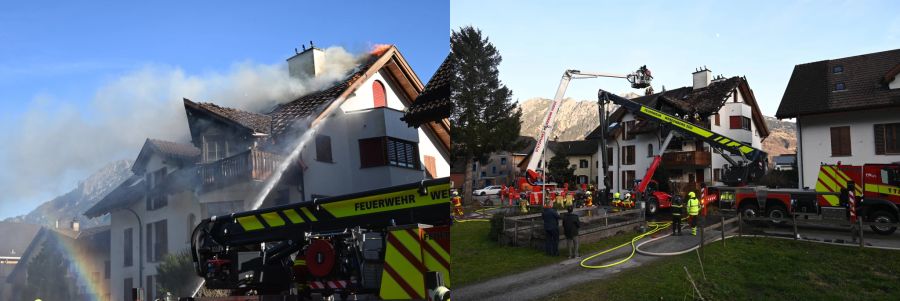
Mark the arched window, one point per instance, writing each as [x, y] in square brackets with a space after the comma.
[378, 94]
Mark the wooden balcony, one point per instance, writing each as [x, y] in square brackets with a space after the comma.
[686, 159]
[251, 165]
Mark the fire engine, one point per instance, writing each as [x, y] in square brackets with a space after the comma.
[876, 187]
[391, 243]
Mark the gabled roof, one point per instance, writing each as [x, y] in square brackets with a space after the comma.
[434, 103]
[130, 191]
[167, 149]
[254, 122]
[686, 100]
[35, 245]
[575, 148]
[811, 89]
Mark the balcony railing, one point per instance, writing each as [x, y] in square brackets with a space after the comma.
[251, 165]
[689, 158]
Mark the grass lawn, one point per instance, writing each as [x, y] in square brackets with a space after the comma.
[477, 258]
[758, 269]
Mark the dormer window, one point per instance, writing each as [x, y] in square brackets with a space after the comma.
[837, 69]
[839, 87]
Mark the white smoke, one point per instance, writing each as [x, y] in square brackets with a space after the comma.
[59, 143]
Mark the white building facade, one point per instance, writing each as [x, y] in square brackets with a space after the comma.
[846, 111]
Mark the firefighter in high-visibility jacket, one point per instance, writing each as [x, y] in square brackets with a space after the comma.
[588, 200]
[693, 209]
[457, 205]
[617, 201]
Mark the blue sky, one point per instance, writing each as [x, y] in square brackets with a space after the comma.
[761, 40]
[63, 62]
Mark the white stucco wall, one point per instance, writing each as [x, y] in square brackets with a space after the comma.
[176, 212]
[814, 140]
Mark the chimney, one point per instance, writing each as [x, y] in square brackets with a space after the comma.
[308, 63]
[702, 78]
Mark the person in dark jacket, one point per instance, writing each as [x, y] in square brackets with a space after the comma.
[551, 230]
[570, 228]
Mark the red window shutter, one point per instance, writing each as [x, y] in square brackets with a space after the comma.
[734, 122]
[717, 118]
[371, 152]
[378, 94]
[879, 139]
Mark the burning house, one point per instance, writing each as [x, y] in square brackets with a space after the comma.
[347, 137]
[724, 105]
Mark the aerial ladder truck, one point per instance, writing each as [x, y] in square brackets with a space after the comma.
[534, 181]
[842, 192]
[749, 168]
[391, 243]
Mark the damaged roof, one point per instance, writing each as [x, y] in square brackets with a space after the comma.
[433, 103]
[705, 101]
[252, 121]
[812, 88]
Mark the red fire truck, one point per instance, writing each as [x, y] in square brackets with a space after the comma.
[876, 187]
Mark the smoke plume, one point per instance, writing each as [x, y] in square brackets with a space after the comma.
[59, 143]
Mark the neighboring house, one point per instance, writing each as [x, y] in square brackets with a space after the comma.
[501, 168]
[85, 253]
[152, 214]
[784, 162]
[582, 155]
[847, 111]
[16, 238]
[724, 105]
[351, 138]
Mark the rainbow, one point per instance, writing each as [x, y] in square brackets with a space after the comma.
[81, 266]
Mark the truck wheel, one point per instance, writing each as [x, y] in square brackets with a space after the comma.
[483, 193]
[779, 213]
[652, 206]
[882, 216]
[749, 210]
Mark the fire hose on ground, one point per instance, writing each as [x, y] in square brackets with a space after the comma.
[636, 248]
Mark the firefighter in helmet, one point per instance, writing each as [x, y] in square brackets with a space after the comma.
[617, 201]
[628, 202]
[588, 200]
[693, 209]
[677, 208]
[457, 205]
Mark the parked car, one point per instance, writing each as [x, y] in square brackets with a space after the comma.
[488, 190]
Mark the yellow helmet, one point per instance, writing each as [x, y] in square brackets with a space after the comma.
[616, 195]
[691, 194]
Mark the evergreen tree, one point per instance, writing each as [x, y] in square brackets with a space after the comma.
[47, 272]
[176, 274]
[484, 119]
[560, 170]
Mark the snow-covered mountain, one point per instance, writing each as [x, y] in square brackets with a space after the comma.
[72, 205]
